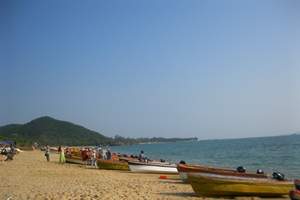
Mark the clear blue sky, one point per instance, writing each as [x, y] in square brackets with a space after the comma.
[211, 69]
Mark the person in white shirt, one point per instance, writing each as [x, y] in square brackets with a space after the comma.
[94, 159]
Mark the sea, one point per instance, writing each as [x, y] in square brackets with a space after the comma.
[280, 153]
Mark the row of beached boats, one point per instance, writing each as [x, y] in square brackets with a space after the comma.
[206, 180]
[211, 181]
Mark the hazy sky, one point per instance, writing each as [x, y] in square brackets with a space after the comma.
[211, 69]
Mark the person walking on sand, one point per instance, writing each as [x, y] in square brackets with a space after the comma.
[47, 153]
[61, 152]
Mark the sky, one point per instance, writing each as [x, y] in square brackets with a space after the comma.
[172, 68]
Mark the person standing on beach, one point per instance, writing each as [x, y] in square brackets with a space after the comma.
[47, 153]
[142, 157]
[108, 154]
[104, 157]
[61, 152]
[94, 159]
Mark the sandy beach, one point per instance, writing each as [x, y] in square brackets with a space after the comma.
[29, 176]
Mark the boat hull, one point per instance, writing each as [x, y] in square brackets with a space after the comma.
[297, 185]
[75, 161]
[205, 185]
[183, 169]
[183, 176]
[295, 195]
[112, 165]
[154, 168]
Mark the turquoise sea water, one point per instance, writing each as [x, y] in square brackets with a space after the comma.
[280, 153]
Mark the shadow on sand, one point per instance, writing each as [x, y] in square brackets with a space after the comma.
[192, 194]
[174, 182]
[179, 194]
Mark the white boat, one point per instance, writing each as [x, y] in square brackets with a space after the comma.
[152, 167]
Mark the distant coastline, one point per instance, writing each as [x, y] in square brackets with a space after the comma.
[256, 137]
[47, 130]
[119, 140]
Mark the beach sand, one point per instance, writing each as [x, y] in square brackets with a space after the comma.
[29, 176]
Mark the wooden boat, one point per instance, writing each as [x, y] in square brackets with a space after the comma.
[220, 185]
[112, 164]
[183, 169]
[152, 167]
[126, 159]
[75, 160]
[295, 195]
[74, 155]
[297, 184]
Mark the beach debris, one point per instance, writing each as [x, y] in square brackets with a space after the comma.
[163, 177]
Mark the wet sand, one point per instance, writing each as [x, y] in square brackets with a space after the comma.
[29, 176]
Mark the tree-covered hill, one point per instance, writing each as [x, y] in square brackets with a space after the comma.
[46, 130]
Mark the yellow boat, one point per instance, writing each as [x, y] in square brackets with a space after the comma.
[74, 159]
[112, 164]
[215, 185]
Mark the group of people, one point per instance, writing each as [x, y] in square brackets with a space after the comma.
[104, 153]
[7, 151]
[88, 155]
[61, 151]
[91, 155]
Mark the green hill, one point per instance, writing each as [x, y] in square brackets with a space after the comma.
[46, 130]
